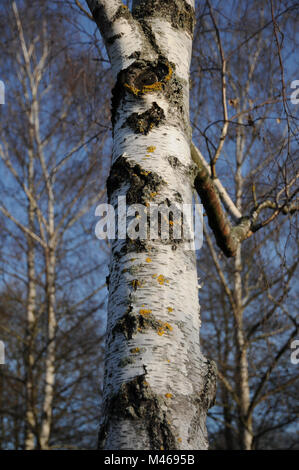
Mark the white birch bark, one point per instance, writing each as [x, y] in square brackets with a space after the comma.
[157, 386]
[242, 368]
[30, 420]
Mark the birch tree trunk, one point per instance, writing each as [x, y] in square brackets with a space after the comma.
[242, 378]
[158, 386]
[30, 421]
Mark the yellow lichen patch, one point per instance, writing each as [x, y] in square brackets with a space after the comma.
[163, 328]
[168, 360]
[168, 77]
[145, 311]
[170, 309]
[148, 260]
[168, 327]
[170, 222]
[180, 439]
[132, 259]
[145, 173]
[161, 448]
[162, 280]
[145, 383]
[157, 86]
[168, 395]
[151, 149]
[147, 156]
[153, 195]
[135, 350]
[132, 89]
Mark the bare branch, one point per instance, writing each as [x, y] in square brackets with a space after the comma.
[199, 159]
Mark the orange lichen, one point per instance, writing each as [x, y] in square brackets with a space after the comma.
[168, 395]
[180, 439]
[170, 309]
[151, 149]
[145, 311]
[135, 350]
[161, 279]
[168, 77]
[164, 326]
[148, 260]
[157, 86]
[132, 89]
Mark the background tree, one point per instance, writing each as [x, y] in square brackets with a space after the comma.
[50, 262]
[253, 316]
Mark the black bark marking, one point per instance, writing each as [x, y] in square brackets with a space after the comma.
[137, 402]
[142, 184]
[132, 323]
[143, 123]
[204, 401]
[143, 77]
[178, 12]
[208, 394]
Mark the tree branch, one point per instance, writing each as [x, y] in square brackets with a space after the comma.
[227, 236]
[122, 34]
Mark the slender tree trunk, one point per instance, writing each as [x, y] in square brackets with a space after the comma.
[49, 388]
[30, 419]
[242, 379]
[245, 421]
[158, 386]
